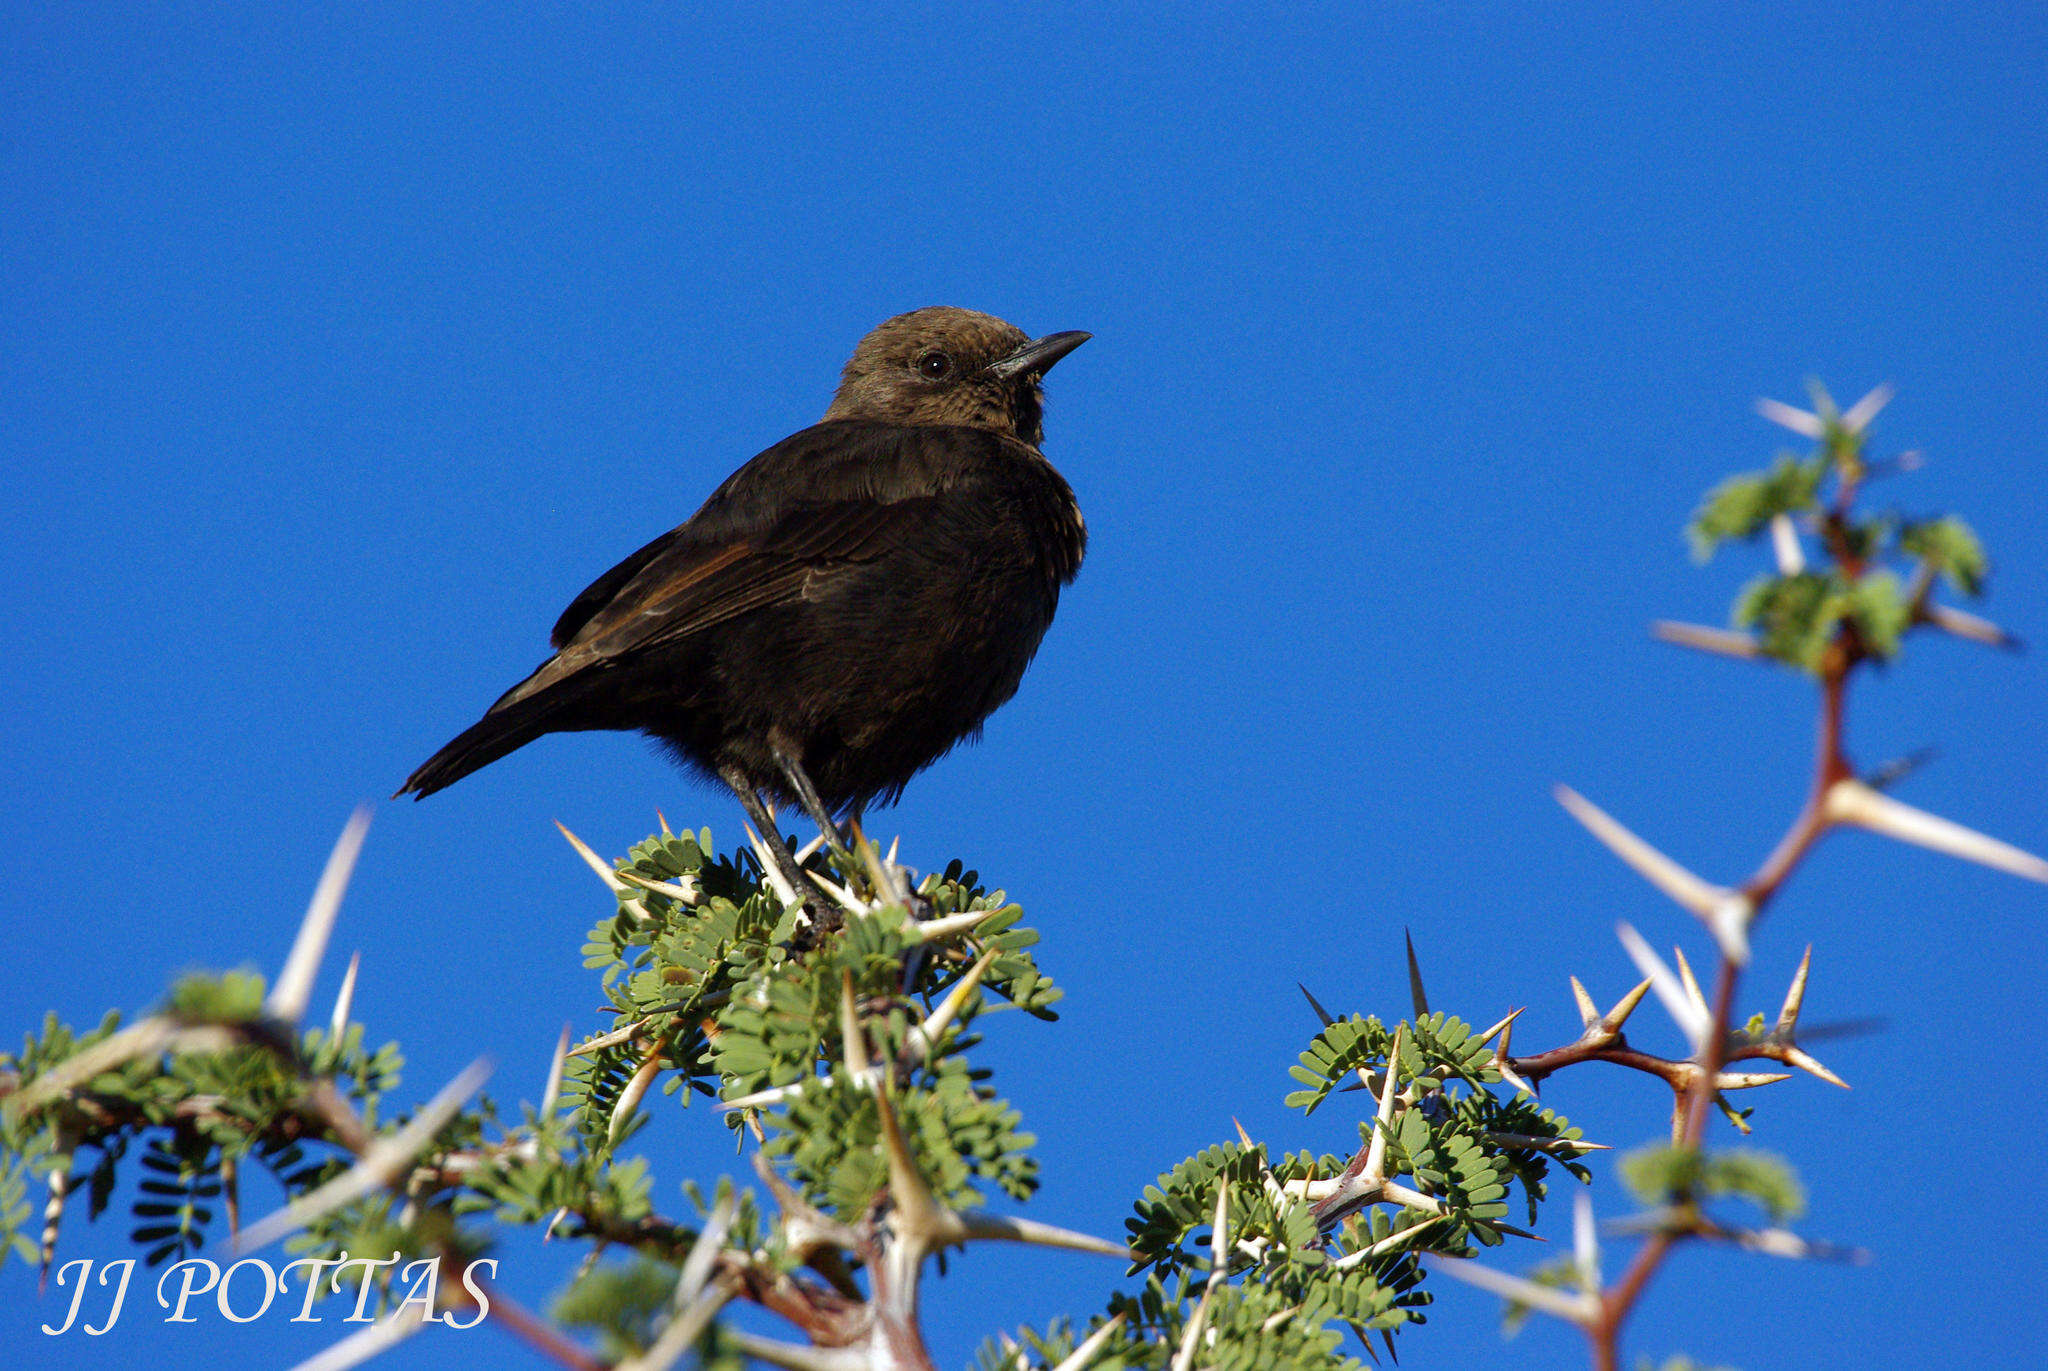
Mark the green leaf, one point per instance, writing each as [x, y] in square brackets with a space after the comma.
[1767, 1180]
[1950, 546]
[1684, 1175]
[1796, 615]
[231, 997]
[1742, 506]
[1877, 602]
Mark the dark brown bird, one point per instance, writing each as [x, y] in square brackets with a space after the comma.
[844, 608]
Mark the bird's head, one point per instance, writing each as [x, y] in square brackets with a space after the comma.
[951, 366]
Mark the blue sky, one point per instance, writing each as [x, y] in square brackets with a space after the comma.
[339, 349]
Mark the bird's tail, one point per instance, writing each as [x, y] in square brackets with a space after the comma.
[501, 731]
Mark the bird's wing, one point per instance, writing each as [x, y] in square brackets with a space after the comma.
[599, 593]
[808, 474]
[675, 596]
[685, 583]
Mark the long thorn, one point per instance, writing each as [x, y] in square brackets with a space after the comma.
[1850, 801]
[1415, 990]
[380, 1165]
[295, 983]
[1725, 912]
[1315, 1004]
[1691, 1020]
[1581, 1309]
[1795, 995]
[1585, 1242]
[853, 1045]
[553, 1090]
[1720, 641]
[1081, 1356]
[344, 999]
[593, 861]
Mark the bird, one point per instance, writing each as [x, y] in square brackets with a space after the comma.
[847, 606]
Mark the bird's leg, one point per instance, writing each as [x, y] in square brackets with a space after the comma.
[807, 796]
[778, 850]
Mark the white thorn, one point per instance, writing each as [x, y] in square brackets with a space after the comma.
[1581, 1309]
[680, 1334]
[1506, 1025]
[379, 1165]
[853, 1047]
[344, 999]
[761, 1099]
[1785, 545]
[1798, 420]
[1850, 801]
[1726, 642]
[1184, 1356]
[697, 1267]
[1514, 1077]
[294, 986]
[604, 1040]
[921, 1221]
[1219, 1231]
[1219, 1248]
[1079, 1358]
[553, 1090]
[1691, 1020]
[1625, 1007]
[1589, 1013]
[1687, 890]
[635, 1091]
[841, 896]
[1858, 416]
[987, 1227]
[594, 862]
[929, 1032]
[1951, 620]
[1382, 1247]
[1585, 1242]
[1413, 1199]
[769, 871]
[1688, 980]
[1795, 995]
[142, 1038]
[1383, 1117]
[931, 930]
[1799, 1057]
[675, 890]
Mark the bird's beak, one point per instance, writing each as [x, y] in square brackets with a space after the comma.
[1036, 357]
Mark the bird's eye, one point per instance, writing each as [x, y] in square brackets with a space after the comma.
[934, 366]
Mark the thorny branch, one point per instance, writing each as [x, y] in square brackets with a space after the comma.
[1695, 1096]
[1835, 796]
[809, 1280]
[844, 1326]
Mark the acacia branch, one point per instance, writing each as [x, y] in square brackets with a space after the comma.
[1698, 1089]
